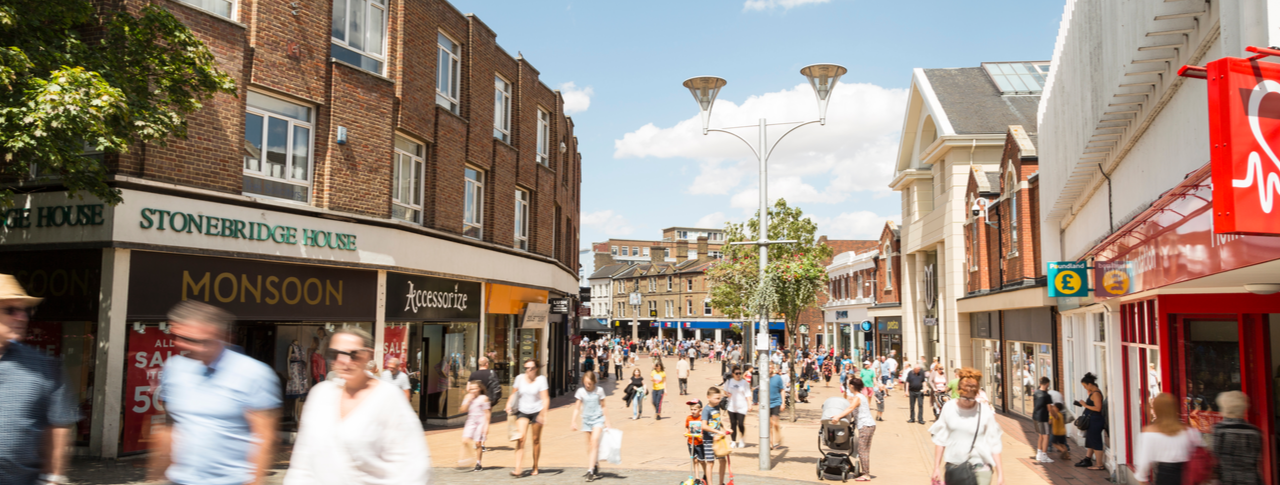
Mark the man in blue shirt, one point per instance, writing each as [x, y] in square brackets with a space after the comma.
[776, 406]
[222, 406]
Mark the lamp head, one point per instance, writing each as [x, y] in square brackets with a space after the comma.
[823, 78]
[704, 90]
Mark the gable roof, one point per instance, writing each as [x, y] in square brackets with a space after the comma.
[608, 271]
[974, 105]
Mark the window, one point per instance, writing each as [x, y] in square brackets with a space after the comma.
[613, 250]
[473, 204]
[645, 251]
[888, 271]
[1012, 188]
[706, 308]
[219, 7]
[635, 251]
[501, 109]
[277, 148]
[668, 283]
[448, 73]
[653, 307]
[666, 253]
[406, 189]
[669, 309]
[544, 138]
[689, 283]
[522, 220]
[688, 307]
[693, 254]
[715, 254]
[359, 33]
[973, 246]
[653, 285]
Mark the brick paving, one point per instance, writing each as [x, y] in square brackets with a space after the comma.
[654, 451]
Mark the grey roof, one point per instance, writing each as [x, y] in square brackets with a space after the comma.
[974, 105]
[608, 271]
[993, 182]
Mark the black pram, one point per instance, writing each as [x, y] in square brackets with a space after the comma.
[839, 440]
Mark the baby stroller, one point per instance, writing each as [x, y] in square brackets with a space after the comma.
[837, 460]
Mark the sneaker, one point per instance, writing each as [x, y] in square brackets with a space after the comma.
[477, 468]
[1045, 459]
[911, 421]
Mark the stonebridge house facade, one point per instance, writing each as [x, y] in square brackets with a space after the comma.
[384, 164]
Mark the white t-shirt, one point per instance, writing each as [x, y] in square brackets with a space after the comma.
[528, 394]
[400, 381]
[739, 395]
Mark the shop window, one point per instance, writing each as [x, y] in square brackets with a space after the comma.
[277, 148]
[1212, 350]
[406, 188]
[359, 33]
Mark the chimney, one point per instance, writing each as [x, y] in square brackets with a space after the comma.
[702, 247]
[602, 259]
[656, 254]
[682, 250]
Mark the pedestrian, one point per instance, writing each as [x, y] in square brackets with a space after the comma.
[938, 387]
[693, 355]
[353, 430]
[530, 404]
[1042, 401]
[693, 437]
[222, 406]
[1236, 443]
[659, 378]
[878, 395]
[588, 415]
[713, 431]
[1058, 424]
[738, 392]
[617, 364]
[828, 368]
[867, 374]
[1093, 458]
[1165, 445]
[776, 406]
[859, 412]
[588, 361]
[682, 373]
[396, 378]
[967, 437]
[915, 389]
[479, 413]
[891, 367]
[637, 389]
[36, 411]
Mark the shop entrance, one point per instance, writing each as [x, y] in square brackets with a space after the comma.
[890, 342]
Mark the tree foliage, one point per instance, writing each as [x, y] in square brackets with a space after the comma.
[794, 276]
[72, 79]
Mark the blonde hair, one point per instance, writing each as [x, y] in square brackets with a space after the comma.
[1165, 407]
[1233, 404]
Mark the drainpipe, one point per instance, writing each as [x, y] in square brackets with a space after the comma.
[1111, 224]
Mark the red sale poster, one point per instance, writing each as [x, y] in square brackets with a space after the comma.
[45, 337]
[394, 345]
[147, 354]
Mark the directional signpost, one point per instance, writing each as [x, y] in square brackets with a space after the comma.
[1068, 278]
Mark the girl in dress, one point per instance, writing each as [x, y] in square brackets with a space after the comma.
[590, 406]
[478, 409]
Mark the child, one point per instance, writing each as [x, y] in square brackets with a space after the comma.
[477, 405]
[1058, 422]
[713, 429]
[693, 431]
[879, 400]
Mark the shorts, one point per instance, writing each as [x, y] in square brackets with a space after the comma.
[533, 418]
[775, 411]
[699, 452]
[1043, 428]
[880, 407]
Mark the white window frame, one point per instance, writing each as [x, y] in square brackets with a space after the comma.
[706, 308]
[369, 7]
[415, 185]
[669, 309]
[973, 246]
[668, 283]
[474, 189]
[635, 250]
[544, 138]
[614, 250]
[292, 124]
[888, 268]
[688, 307]
[523, 197]
[1013, 212]
[689, 284]
[501, 108]
[449, 98]
[232, 7]
[644, 252]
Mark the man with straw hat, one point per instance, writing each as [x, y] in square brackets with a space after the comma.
[35, 409]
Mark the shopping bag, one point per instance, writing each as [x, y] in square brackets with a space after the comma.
[611, 446]
[513, 428]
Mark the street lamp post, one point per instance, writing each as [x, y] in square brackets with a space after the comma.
[823, 79]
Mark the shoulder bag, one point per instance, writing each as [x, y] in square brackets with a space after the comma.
[1199, 468]
[963, 474]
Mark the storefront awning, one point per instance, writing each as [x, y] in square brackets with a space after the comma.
[594, 325]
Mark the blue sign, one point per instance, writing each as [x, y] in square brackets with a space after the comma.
[866, 326]
[1068, 279]
[842, 314]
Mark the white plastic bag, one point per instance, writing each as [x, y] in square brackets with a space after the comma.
[611, 445]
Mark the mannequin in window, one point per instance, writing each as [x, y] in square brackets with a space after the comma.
[297, 386]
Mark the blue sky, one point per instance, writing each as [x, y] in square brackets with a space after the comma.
[645, 164]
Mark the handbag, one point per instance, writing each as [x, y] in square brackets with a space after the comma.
[1082, 422]
[721, 447]
[1199, 468]
[513, 429]
[963, 474]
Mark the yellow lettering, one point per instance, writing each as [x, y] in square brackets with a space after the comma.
[195, 287]
[80, 283]
[244, 285]
[306, 291]
[217, 287]
[284, 288]
[328, 290]
[271, 300]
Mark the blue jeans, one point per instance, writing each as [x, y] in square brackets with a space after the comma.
[637, 404]
[657, 401]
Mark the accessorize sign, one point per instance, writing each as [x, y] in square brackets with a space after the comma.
[417, 298]
[250, 289]
[1246, 168]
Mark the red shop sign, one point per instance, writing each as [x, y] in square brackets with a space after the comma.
[147, 354]
[394, 346]
[1243, 121]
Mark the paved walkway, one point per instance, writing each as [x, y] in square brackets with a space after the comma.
[654, 451]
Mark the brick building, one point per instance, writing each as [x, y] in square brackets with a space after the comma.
[385, 165]
[812, 319]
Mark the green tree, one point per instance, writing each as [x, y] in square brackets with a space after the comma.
[794, 276]
[72, 78]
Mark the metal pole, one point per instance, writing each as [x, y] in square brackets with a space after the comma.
[762, 237]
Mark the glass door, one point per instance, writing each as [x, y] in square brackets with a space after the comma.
[1211, 356]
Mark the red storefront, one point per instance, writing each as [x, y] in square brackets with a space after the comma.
[1192, 320]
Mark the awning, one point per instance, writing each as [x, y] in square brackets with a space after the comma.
[594, 325]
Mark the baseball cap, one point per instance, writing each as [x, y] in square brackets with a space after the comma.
[692, 402]
[866, 362]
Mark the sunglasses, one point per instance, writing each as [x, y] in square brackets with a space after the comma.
[13, 311]
[193, 341]
[530, 367]
[332, 354]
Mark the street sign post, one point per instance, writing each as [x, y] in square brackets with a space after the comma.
[1068, 278]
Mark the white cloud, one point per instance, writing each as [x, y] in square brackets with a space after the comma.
[758, 5]
[612, 225]
[853, 225]
[575, 100]
[854, 152]
[713, 220]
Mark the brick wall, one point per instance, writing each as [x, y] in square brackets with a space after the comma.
[892, 259]
[270, 48]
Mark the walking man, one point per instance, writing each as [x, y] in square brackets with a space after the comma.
[36, 412]
[682, 373]
[222, 406]
[776, 406]
[915, 389]
[393, 376]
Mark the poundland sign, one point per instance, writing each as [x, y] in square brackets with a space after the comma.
[178, 221]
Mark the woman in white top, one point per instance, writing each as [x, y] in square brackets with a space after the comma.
[738, 392]
[860, 412]
[966, 434]
[530, 400]
[588, 415]
[1165, 445]
[357, 429]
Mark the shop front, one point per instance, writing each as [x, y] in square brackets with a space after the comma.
[506, 341]
[433, 328]
[984, 333]
[1028, 337]
[888, 336]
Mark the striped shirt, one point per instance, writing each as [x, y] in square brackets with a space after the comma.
[33, 398]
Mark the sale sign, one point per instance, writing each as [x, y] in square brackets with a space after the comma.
[395, 346]
[147, 354]
[1243, 120]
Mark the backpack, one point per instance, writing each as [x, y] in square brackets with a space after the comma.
[495, 387]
